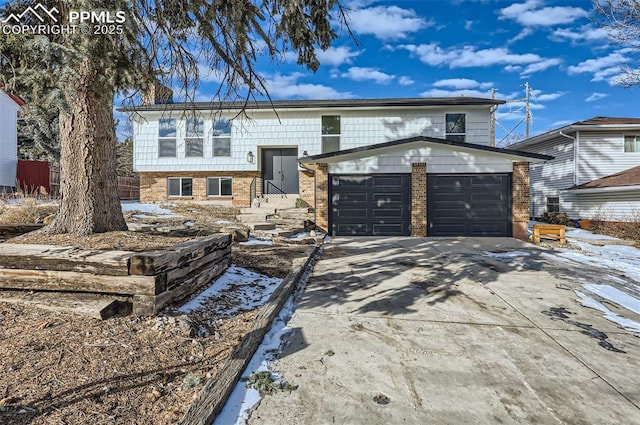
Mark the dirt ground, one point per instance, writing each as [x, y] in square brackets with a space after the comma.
[58, 368]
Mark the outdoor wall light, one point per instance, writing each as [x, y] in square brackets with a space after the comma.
[250, 157]
[305, 153]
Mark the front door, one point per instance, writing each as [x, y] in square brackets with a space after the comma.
[280, 171]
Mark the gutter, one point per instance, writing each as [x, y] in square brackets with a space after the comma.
[607, 189]
[575, 153]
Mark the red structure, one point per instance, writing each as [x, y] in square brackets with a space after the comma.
[32, 175]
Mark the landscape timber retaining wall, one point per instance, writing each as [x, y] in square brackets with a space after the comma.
[151, 280]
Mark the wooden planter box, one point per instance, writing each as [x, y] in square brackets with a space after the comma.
[151, 280]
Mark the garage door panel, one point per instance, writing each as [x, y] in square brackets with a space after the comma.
[469, 205]
[371, 205]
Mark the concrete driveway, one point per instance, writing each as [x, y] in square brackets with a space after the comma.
[428, 331]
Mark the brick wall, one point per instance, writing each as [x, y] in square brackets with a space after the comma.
[153, 186]
[307, 187]
[520, 196]
[322, 197]
[419, 199]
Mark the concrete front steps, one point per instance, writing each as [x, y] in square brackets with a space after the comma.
[274, 214]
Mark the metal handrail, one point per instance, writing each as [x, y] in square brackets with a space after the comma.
[277, 190]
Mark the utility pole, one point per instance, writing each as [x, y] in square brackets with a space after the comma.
[527, 88]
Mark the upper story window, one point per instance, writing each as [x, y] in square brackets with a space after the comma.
[167, 137]
[330, 133]
[194, 142]
[222, 137]
[456, 128]
[632, 143]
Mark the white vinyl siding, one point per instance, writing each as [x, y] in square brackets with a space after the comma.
[8, 140]
[602, 154]
[301, 129]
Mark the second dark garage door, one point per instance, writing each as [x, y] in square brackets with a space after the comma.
[469, 205]
[370, 205]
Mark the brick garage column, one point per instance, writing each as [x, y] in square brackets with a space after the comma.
[419, 199]
[322, 197]
[520, 199]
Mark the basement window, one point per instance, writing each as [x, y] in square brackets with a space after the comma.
[632, 143]
[180, 186]
[456, 127]
[553, 204]
[219, 186]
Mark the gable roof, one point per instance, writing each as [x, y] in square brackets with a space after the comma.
[629, 179]
[326, 103]
[595, 123]
[370, 150]
[17, 99]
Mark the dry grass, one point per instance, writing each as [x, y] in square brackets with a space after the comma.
[27, 211]
[629, 229]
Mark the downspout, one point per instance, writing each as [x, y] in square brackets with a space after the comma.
[315, 192]
[575, 154]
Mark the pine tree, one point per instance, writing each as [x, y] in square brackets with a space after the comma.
[169, 40]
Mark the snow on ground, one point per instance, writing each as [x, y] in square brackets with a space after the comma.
[238, 289]
[147, 210]
[627, 324]
[256, 241]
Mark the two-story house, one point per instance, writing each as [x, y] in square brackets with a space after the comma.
[9, 107]
[369, 166]
[595, 171]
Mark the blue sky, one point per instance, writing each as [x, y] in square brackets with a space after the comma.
[452, 47]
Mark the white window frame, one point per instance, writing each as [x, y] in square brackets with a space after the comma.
[636, 144]
[218, 137]
[175, 139]
[458, 134]
[325, 136]
[553, 204]
[189, 138]
[220, 178]
[181, 195]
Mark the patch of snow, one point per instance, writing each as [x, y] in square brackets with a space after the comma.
[255, 241]
[242, 290]
[627, 324]
[300, 235]
[224, 222]
[326, 239]
[616, 257]
[585, 234]
[615, 295]
[242, 399]
[189, 223]
[148, 210]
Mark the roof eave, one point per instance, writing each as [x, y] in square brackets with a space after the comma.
[607, 189]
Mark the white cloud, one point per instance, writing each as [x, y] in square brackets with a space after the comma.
[468, 56]
[540, 97]
[608, 68]
[584, 33]
[531, 14]
[540, 66]
[526, 32]
[386, 22]
[513, 68]
[288, 87]
[561, 123]
[468, 25]
[405, 81]
[336, 56]
[455, 93]
[209, 75]
[596, 96]
[357, 73]
[462, 83]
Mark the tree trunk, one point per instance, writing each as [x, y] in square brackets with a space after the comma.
[88, 181]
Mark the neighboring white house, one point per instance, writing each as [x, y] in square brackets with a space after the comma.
[594, 172]
[9, 107]
[200, 151]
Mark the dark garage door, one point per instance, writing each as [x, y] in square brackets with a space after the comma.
[469, 205]
[370, 205]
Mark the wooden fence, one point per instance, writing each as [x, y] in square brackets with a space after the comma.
[128, 187]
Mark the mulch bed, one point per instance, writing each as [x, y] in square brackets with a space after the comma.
[57, 368]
